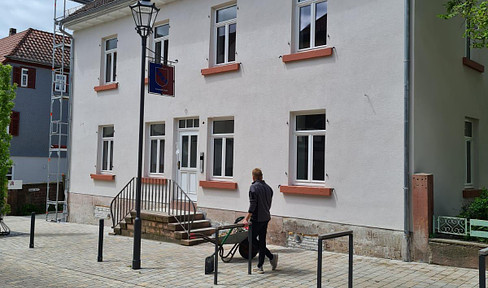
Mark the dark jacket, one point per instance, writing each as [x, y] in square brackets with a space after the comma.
[260, 195]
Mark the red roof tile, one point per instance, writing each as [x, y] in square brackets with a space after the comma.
[33, 46]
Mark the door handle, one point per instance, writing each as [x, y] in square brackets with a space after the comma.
[178, 164]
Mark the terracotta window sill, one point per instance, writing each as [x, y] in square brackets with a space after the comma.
[221, 69]
[306, 190]
[111, 86]
[471, 193]
[473, 65]
[146, 81]
[227, 185]
[103, 177]
[151, 180]
[316, 53]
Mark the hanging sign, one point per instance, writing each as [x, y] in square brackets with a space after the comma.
[161, 79]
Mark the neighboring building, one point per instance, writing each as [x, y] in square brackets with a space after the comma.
[311, 91]
[30, 55]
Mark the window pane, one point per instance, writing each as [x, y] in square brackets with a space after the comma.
[232, 42]
[223, 127]
[157, 130]
[157, 52]
[161, 31]
[217, 159]
[220, 45]
[321, 24]
[111, 155]
[154, 155]
[161, 156]
[114, 75]
[105, 155]
[468, 129]
[111, 44]
[184, 151]
[229, 156]
[310, 122]
[193, 152]
[182, 124]
[304, 34]
[108, 131]
[108, 67]
[196, 123]
[189, 123]
[318, 158]
[468, 161]
[302, 157]
[226, 13]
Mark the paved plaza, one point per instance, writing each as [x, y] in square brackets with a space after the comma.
[65, 255]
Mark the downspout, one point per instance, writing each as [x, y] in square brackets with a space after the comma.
[70, 121]
[406, 152]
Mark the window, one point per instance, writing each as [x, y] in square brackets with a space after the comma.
[156, 149]
[188, 123]
[107, 145]
[225, 34]
[24, 80]
[223, 148]
[60, 83]
[311, 23]
[161, 40]
[110, 60]
[10, 173]
[309, 143]
[469, 147]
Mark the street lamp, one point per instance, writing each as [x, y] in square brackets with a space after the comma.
[144, 13]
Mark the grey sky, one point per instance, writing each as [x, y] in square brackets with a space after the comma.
[26, 14]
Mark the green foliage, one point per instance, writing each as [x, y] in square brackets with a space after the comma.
[27, 209]
[7, 95]
[478, 208]
[475, 12]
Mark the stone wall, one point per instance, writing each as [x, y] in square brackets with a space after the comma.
[81, 208]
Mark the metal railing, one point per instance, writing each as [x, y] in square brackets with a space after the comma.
[482, 267]
[319, 260]
[158, 195]
[217, 243]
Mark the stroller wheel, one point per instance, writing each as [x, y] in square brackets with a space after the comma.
[244, 249]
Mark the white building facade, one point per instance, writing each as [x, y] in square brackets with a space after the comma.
[310, 91]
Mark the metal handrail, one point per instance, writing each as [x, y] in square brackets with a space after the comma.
[158, 195]
[216, 254]
[323, 237]
[482, 267]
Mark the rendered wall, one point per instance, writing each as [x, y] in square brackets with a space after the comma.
[360, 87]
[445, 93]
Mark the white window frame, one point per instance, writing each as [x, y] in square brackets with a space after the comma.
[60, 83]
[160, 39]
[310, 134]
[312, 4]
[112, 52]
[110, 154]
[224, 138]
[469, 139]
[24, 77]
[225, 24]
[161, 140]
[10, 173]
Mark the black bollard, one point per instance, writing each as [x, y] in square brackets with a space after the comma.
[100, 241]
[249, 239]
[33, 221]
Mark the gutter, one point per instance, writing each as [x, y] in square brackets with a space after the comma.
[406, 128]
[95, 12]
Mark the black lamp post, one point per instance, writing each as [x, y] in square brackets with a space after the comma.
[144, 13]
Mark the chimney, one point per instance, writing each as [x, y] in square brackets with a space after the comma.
[12, 31]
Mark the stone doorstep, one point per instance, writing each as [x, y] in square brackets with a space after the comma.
[195, 225]
[163, 217]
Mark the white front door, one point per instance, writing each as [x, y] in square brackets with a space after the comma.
[188, 163]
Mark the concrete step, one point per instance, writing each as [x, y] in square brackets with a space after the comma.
[163, 217]
[205, 231]
[195, 225]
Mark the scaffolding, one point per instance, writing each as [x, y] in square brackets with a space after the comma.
[60, 118]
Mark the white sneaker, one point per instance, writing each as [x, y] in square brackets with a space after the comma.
[274, 262]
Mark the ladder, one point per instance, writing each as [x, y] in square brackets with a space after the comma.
[60, 114]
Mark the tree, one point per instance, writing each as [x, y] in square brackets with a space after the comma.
[7, 95]
[475, 12]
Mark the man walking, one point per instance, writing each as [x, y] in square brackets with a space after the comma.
[260, 195]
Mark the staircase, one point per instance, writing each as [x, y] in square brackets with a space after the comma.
[167, 213]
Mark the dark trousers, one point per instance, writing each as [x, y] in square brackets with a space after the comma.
[259, 230]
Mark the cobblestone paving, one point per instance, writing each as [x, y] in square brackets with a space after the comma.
[65, 255]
